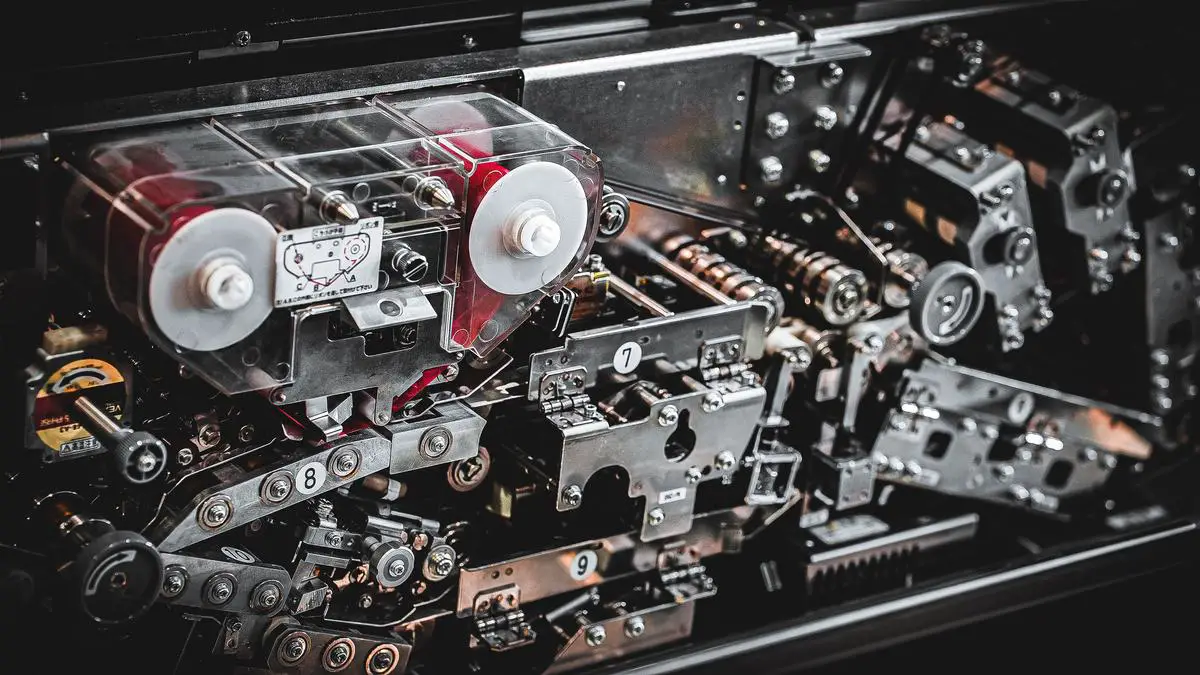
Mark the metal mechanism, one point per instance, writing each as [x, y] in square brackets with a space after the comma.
[524, 340]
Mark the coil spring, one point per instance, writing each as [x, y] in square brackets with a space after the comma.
[728, 278]
[820, 280]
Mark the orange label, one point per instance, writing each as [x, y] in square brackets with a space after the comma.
[52, 418]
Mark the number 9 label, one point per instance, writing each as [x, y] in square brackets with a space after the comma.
[310, 478]
[583, 565]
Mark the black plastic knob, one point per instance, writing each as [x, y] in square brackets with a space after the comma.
[117, 577]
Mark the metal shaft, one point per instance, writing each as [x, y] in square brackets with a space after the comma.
[682, 275]
[637, 297]
[99, 424]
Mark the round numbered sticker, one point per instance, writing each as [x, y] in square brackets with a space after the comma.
[310, 478]
[237, 554]
[627, 358]
[583, 565]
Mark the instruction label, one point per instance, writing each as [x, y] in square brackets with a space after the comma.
[314, 264]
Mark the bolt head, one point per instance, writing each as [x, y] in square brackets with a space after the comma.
[339, 655]
[656, 517]
[725, 461]
[712, 402]
[819, 161]
[832, 75]
[635, 627]
[279, 489]
[397, 568]
[146, 462]
[777, 125]
[668, 416]
[573, 496]
[771, 169]
[294, 648]
[784, 82]
[693, 475]
[381, 661]
[184, 456]
[345, 464]
[595, 635]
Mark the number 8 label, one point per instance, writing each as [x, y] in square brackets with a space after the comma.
[583, 565]
[310, 478]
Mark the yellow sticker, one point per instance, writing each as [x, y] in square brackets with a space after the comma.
[52, 418]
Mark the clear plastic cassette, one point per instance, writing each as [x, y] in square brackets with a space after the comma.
[210, 234]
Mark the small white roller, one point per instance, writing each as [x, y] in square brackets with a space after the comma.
[211, 282]
[528, 228]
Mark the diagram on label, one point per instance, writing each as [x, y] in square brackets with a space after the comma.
[329, 261]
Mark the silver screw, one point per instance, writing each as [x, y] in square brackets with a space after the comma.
[573, 496]
[595, 635]
[725, 461]
[620, 85]
[771, 169]
[656, 517]
[1019, 493]
[784, 81]
[712, 402]
[1108, 461]
[278, 490]
[266, 596]
[215, 512]
[1160, 357]
[451, 372]
[184, 456]
[819, 161]
[634, 627]
[398, 568]
[146, 462]
[1169, 240]
[242, 38]
[825, 118]
[442, 560]
[693, 475]
[345, 462]
[435, 442]
[293, 647]
[967, 425]
[219, 588]
[334, 539]
[174, 581]
[365, 601]
[339, 655]
[1004, 472]
[777, 125]
[668, 415]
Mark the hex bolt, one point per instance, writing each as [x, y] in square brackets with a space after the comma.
[771, 169]
[712, 402]
[634, 627]
[572, 496]
[777, 125]
[595, 635]
[656, 517]
[693, 475]
[338, 654]
[440, 563]
[276, 488]
[725, 461]
[175, 579]
[825, 118]
[215, 512]
[293, 647]
[668, 416]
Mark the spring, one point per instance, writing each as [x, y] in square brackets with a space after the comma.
[818, 279]
[728, 278]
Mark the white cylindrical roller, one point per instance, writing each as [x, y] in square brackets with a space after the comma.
[212, 281]
[528, 228]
